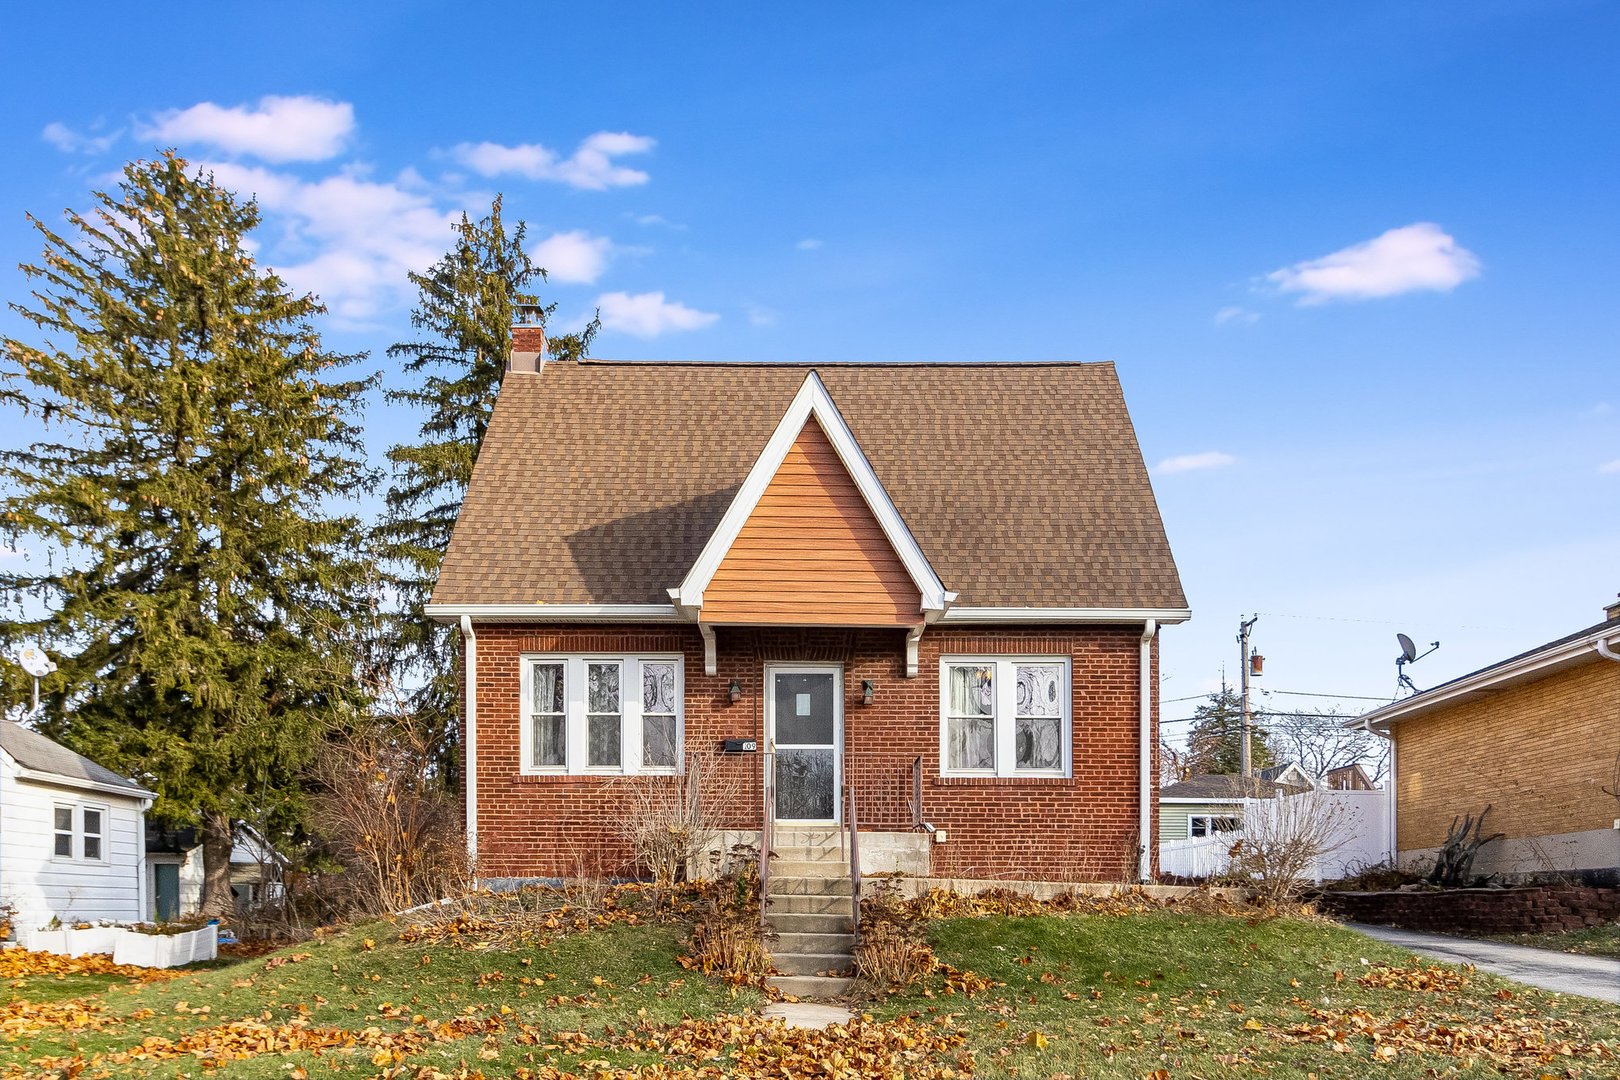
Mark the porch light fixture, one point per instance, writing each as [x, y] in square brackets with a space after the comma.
[736, 691]
[868, 691]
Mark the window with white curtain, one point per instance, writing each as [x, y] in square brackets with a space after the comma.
[1004, 716]
[602, 714]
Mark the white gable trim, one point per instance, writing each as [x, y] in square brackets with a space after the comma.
[812, 400]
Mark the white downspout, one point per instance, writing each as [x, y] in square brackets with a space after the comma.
[1392, 796]
[469, 738]
[1605, 650]
[1144, 748]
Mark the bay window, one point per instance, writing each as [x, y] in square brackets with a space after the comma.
[1004, 717]
[601, 715]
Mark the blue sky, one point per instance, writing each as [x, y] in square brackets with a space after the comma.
[1356, 266]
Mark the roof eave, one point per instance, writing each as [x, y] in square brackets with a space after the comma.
[1528, 668]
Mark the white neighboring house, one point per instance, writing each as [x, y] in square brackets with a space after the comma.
[72, 835]
[175, 875]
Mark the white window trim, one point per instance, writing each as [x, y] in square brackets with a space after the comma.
[1005, 685]
[1209, 832]
[576, 725]
[72, 832]
[103, 835]
[77, 832]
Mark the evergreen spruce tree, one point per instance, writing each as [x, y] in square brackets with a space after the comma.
[189, 566]
[1215, 743]
[466, 305]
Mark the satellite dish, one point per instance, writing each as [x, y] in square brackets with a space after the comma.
[1408, 650]
[34, 661]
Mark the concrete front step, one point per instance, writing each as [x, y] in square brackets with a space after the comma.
[811, 903]
[787, 923]
[813, 963]
[811, 886]
[790, 868]
[811, 986]
[813, 942]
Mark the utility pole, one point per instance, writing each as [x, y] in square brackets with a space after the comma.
[1244, 626]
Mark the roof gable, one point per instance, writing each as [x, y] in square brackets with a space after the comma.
[812, 552]
[812, 414]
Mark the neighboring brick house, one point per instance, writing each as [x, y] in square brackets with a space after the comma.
[1537, 739]
[950, 581]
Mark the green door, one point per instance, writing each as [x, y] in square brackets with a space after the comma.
[166, 890]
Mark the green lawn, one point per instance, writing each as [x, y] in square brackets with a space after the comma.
[1199, 996]
[1598, 941]
[611, 977]
[1205, 996]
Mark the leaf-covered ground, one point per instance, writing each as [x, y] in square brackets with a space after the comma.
[1148, 993]
[1598, 941]
[1218, 996]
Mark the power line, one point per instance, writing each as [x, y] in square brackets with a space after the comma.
[1308, 693]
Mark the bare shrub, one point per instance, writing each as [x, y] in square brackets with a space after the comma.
[671, 822]
[892, 950]
[390, 824]
[727, 939]
[1280, 848]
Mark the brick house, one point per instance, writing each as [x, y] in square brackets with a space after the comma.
[1537, 739]
[931, 590]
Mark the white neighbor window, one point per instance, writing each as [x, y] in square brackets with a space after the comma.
[79, 831]
[602, 714]
[1004, 716]
[1200, 825]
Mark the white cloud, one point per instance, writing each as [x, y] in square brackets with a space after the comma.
[656, 219]
[1209, 459]
[648, 315]
[1236, 316]
[572, 258]
[591, 166]
[69, 141]
[277, 129]
[1413, 257]
[760, 315]
[346, 238]
[1602, 408]
[809, 243]
[1610, 467]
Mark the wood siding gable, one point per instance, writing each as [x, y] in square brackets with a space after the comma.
[812, 552]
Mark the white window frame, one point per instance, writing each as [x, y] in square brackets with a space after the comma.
[1209, 831]
[576, 724]
[106, 821]
[1004, 683]
[77, 833]
[72, 831]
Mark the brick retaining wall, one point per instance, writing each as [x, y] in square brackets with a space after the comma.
[1479, 911]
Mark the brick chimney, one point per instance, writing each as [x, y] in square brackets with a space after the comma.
[528, 340]
[1612, 611]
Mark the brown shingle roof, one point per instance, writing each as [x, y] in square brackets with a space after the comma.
[600, 482]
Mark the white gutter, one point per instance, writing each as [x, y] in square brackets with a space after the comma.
[554, 612]
[1524, 668]
[1605, 650]
[673, 613]
[469, 738]
[1144, 748]
[85, 784]
[1064, 614]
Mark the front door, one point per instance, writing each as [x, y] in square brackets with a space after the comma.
[804, 721]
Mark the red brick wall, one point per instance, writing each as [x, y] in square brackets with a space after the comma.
[1078, 828]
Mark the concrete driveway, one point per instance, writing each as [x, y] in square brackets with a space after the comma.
[1590, 976]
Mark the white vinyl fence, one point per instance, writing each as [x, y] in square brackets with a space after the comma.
[1362, 836]
[127, 946]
